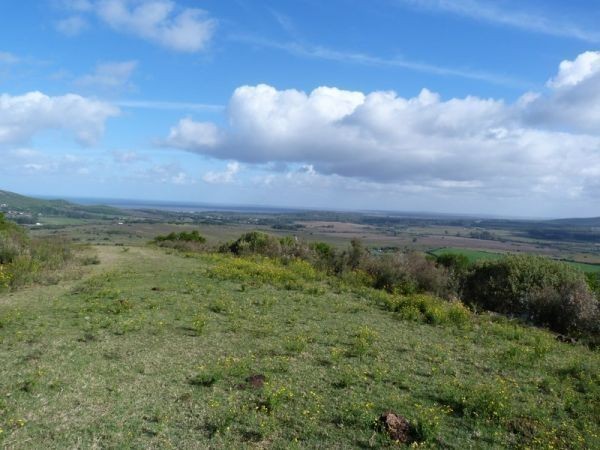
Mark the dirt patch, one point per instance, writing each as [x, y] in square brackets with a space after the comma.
[397, 427]
[256, 381]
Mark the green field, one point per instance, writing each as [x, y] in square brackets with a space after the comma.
[481, 255]
[473, 255]
[152, 349]
[587, 268]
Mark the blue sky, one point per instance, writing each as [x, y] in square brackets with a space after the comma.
[440, 105]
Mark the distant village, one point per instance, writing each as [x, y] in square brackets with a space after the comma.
[24, 218]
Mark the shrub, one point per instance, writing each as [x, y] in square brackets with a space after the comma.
[426, 308]
[185, 236]
[457, 267]
[254, 242]
[4, 277]
[190, 241]
[13, 241]
[593, 281]
[407, 273]
[291, 247]
[542, 291]
[24, 260]
[454, 261]
[259, 270]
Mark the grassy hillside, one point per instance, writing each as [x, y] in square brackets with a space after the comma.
[159, 350]
[60, 208]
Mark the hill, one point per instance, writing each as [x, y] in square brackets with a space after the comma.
[16, 204]
[155, 349]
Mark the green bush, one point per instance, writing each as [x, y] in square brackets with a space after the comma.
[254, 242]
[189, 241]
[407, 273]
[184, 236]
[457, 267]
[537, 289]
[426, 308]
[24, 260]
[593, 281]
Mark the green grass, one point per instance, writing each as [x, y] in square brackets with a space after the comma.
[482, 255]
[587, 268]
[159, 350]
[473, 255]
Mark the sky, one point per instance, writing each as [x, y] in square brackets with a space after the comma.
[450, 106]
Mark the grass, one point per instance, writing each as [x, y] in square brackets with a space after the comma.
[482, 255]
[473, 255]
[587, 268]
[155, 350]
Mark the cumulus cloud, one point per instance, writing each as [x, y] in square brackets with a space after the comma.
[571, 73]
[424, 141]
[188, 135]
[22, 117]
[160, 21]
[110, 76]
[225, 177]
[573, 103]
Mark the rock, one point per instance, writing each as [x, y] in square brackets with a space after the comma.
[397, 427]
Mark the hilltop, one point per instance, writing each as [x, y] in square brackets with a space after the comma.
[15, 205]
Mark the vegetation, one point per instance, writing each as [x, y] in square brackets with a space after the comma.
[542, 291]
[184, 240]
[257, 352]
[34, 209]
[536, 289]
[275, 341]
[24, 260]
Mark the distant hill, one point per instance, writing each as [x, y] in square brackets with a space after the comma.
[11, 203]
[592, 222]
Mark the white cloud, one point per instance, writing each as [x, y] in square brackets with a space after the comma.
[72, 26]
[27, 161]
[165, 173]
[160, 21]
[22, 117]
[571, 73]
[487, 11]
[225, 177]
[421, 143]
[188, 134]
[573, 103]
[110, 76]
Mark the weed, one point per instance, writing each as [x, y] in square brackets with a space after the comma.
[205, 378]
[363, 342]
[295, 344]
[199, 323]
